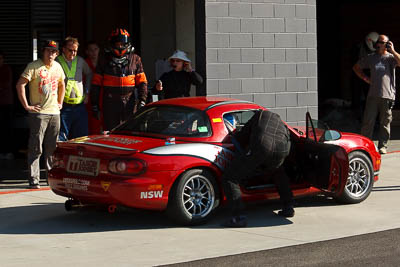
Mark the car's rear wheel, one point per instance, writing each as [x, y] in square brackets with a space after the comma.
[360, 180]
[193, 198]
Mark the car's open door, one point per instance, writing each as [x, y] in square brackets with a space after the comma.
[325, 166]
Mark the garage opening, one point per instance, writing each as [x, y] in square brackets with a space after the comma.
[341, 27]
[157, 28]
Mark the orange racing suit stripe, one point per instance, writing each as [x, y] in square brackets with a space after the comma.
[114, 81]
[97, 79]
[140, 78]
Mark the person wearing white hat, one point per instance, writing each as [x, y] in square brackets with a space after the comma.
[176, 83]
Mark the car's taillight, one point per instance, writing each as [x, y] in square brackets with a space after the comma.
[126, 166]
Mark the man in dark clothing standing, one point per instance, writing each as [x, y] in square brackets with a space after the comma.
[123, 80]
[176, 83]
[265, 140]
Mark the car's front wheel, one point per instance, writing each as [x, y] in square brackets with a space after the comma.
[193, 198]
[360, 180]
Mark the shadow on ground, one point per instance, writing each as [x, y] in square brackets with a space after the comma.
[386, 188]
[51, 218]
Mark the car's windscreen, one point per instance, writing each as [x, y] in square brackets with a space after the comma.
[169, 120]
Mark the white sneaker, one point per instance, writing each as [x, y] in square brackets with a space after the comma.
[382, 150]
[34, 186]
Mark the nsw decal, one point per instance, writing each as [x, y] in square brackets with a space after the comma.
[151, 194]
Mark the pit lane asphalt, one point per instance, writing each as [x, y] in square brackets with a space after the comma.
[376, 249]
[35, 229]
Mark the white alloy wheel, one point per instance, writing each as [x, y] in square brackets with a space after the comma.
[360, 179]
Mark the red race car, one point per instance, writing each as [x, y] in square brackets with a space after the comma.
[171, 154]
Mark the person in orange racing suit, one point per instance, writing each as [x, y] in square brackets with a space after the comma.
[123, 79]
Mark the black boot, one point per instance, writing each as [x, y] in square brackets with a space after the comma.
[236, 221]
[287, 211]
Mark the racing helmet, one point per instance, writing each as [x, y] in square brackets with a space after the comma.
[371, 39]
[230, 122]
[122, 36]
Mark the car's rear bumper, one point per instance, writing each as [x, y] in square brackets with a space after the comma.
[149, 191]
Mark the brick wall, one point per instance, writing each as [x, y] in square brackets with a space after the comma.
[266, 52]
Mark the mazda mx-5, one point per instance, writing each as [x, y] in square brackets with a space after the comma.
[171, 154]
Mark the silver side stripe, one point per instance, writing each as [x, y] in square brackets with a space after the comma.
[218, 155]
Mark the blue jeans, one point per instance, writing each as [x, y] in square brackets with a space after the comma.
[74, 122]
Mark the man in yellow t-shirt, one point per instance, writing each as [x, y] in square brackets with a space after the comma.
[46, 94]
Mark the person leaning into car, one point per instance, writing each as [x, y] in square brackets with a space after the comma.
[46, 94]
[382, 91]
[265, 143]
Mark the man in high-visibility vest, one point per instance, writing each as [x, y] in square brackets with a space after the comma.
[74, 120]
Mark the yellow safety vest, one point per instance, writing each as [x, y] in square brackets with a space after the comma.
[71, 83]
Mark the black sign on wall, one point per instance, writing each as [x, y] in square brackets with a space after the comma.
[22, 20]
[15, 31]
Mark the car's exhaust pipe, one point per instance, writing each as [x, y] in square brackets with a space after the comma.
[72, 204]
[112, 208]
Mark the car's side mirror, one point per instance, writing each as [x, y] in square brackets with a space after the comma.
[331, 135]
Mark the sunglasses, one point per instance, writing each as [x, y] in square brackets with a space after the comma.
[72, 50]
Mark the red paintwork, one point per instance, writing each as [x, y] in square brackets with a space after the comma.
[351, 142]
[162, 171]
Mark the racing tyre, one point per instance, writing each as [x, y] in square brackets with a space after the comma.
[360, 180]
[193, 197]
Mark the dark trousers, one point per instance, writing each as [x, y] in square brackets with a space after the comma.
[383, 107]
[117, 109]
[74, 122]
[244, 167]
[43, 134]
